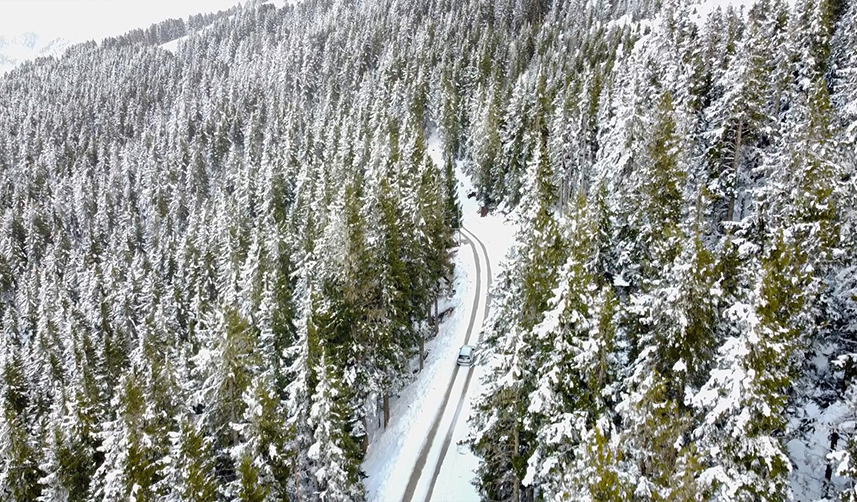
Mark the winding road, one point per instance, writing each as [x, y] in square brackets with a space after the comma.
[435, 447]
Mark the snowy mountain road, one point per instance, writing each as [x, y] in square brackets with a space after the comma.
[447, 441]
[461, 385]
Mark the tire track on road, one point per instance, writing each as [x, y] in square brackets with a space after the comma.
[426, 447]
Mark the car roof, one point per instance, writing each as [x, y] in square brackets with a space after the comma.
[465, 349]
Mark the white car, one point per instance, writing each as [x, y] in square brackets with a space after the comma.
[466, 355]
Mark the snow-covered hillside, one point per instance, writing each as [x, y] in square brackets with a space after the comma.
[225, 241]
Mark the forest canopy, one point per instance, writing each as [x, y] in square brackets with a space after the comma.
[214, 260]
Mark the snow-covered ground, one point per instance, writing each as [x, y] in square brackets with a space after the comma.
[808, 453]
[393, 453]
[173, 45]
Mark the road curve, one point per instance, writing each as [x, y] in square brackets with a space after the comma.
[447, 440]
[416, 474]
[487, 275]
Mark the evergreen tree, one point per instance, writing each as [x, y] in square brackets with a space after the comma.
[226, 372]
[130, 468]
[576, 369]
[742, 112]
[746, 397]
[192, 476]
[20, 474]
[336, 476]
[451, 206]
[661, 191]
[187, 230]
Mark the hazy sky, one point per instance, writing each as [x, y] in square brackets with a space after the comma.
[94, 19]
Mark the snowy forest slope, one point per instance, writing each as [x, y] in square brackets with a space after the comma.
[678, 318]
[212, 260]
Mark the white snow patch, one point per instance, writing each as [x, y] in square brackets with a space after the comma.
[620, 282]
[809, 453]
[173, 45]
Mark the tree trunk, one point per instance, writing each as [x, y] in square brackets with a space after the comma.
[731, 211]
[436, 316]
[422, 351]
[364, 443]
[516, 490]
[386, 410]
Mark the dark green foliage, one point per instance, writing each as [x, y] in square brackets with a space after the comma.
[784, 290]
[250, 489]
[196, 479]
[661, 189]
[19, 452]
[451, 206]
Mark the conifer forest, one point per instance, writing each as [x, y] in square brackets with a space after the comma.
[215, 259]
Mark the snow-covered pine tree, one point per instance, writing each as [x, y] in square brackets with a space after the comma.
[130, 468]
[485, 148]
[71, 453]
[336, 476]
[576, 371]
[20, 471]
[741, 116]
[845, 72]
[505, 442]
[191, 471]
[655, 424]
[744, 402]
[226, 367]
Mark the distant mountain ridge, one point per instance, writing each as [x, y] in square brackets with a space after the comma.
[28, 46]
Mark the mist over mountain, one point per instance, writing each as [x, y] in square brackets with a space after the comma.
[14, 50]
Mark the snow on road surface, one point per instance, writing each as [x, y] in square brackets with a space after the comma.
[392, 456]
[426, 472]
